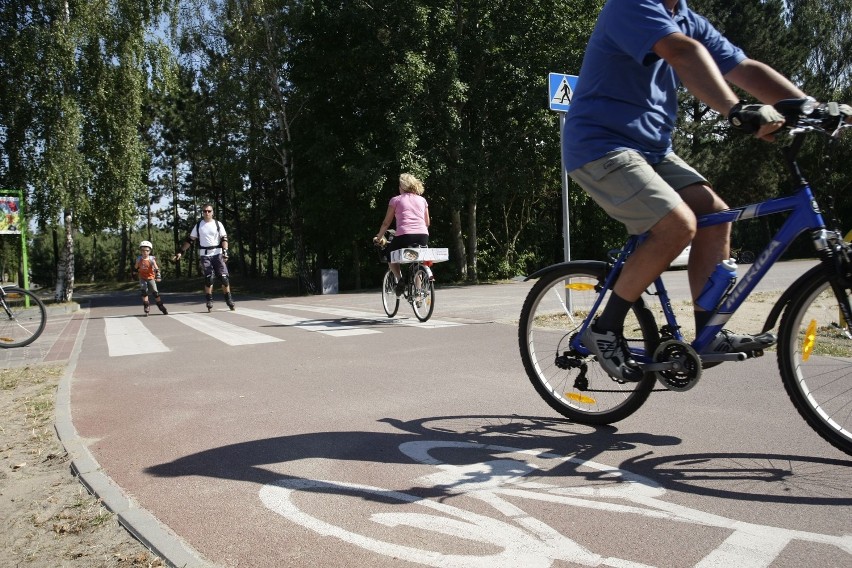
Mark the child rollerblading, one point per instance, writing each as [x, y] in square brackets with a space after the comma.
[149, 275]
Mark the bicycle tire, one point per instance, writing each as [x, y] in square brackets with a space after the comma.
[745, 257]
[815, 360]
[390, 301]
[547, 325]
[22, 317]
[423, 294]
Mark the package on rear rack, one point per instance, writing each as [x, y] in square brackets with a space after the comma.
[414, 254]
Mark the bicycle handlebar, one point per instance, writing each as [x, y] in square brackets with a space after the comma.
[802, 116]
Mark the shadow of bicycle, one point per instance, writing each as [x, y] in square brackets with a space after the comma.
[751, 477]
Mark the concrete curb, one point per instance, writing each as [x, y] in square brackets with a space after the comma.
[67, 308]
[140, 523]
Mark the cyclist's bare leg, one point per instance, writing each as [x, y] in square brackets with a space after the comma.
[394, 266]
[711, 244]
[665, 241]
[709, 247]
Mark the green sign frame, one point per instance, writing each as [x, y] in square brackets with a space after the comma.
[13, 208]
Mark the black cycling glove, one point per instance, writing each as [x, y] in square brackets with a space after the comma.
[749, 118]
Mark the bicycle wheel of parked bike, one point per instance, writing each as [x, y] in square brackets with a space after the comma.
[745, 257]
[390, 301]
[423, 301]
[22, 318]
[815, 359]
[573, 385]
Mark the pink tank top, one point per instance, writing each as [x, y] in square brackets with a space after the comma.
[410, 214]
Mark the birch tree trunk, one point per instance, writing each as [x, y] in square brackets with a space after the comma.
[65, 266]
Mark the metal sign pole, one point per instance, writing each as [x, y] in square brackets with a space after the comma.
[560, 92]
[566, 225]
[566, 230]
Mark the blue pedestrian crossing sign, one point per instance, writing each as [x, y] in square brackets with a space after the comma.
[561, 91]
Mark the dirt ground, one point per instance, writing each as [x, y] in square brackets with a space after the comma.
[49, 520]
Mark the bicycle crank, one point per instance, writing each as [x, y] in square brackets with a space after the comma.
[677, 365]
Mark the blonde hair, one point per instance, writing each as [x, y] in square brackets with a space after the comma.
[411, 184]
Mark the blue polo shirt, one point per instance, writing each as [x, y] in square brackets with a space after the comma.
[626, 96]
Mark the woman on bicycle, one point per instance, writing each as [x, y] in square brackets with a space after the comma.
[411, 212]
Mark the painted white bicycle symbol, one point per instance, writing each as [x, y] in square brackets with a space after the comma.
[472, 537]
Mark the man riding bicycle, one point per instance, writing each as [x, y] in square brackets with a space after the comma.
[618, 148]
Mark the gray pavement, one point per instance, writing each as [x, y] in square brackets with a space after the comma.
[66, 329]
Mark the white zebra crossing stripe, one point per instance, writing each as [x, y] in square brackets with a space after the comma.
[333, 328]
[225, 332]
[128, 336]
[373, 317]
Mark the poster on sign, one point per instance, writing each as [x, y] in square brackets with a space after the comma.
[10, 215]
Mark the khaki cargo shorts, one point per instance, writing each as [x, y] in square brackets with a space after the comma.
[633, 191]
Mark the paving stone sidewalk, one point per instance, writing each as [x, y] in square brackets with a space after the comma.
[56, 342]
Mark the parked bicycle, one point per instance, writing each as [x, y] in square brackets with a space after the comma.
[814, 348]
[742, 256]
[23, 317]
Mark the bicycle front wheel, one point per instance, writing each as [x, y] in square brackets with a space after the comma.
[423, 300]
[815, 360]
[572, 384]
[390, 300]
[745, 257]
[22, 318]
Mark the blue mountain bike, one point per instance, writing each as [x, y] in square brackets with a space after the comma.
[814, 346]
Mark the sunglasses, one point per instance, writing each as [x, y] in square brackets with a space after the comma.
[208, 211]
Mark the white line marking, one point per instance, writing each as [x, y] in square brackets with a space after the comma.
[225, 332]
[128, 336]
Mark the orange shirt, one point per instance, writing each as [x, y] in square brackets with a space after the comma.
[147, 267]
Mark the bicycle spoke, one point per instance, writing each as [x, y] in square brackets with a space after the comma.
[815, 359]
[571, 382]
[24, 318]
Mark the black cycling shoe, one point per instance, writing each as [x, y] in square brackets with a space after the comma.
[729, 342]
[613, 354]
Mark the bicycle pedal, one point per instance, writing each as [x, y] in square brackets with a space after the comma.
[723, 357]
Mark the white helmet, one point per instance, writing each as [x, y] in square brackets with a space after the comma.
[146, 244]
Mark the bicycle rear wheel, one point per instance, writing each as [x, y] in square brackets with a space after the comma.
[572, 384]
[22, 317]
[423, 300]
[815, 360]
[390, 300]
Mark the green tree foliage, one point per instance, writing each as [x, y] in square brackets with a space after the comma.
[802, 40]
[80, 71]
[453, 92]
[296, 117]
